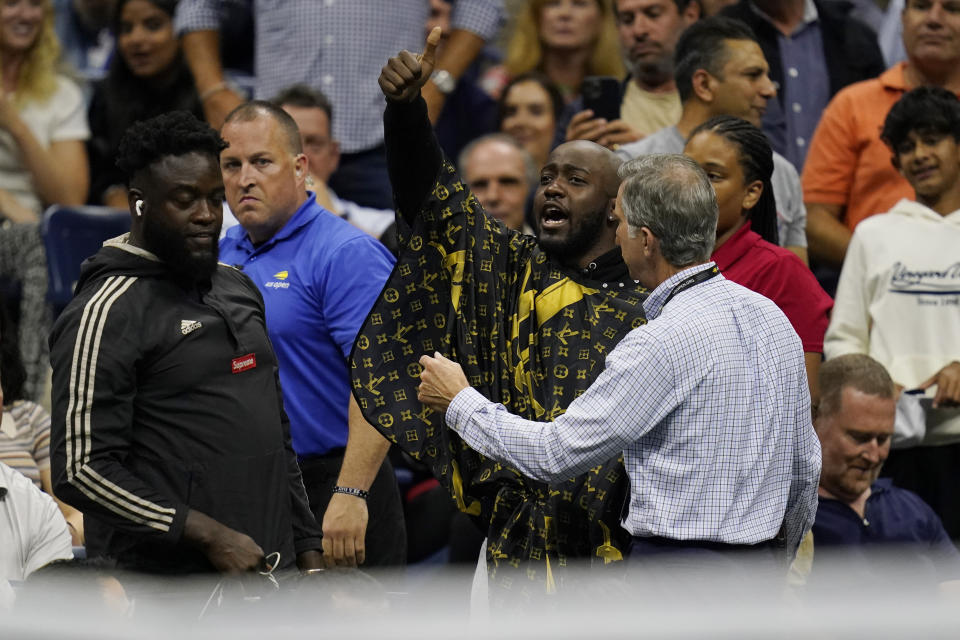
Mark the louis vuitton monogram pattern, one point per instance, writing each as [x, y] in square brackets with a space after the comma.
[527, 335]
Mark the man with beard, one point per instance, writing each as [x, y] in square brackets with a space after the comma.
[531, 319]
[648, 31]
[168, 425]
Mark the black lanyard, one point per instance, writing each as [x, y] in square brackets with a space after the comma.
[692, 281]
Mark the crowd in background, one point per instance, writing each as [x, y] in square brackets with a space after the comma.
[723, 81]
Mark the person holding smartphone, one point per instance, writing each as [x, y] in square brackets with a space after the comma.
[647, 100]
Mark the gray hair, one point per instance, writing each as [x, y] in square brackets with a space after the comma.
[531, 171]
[671, 196]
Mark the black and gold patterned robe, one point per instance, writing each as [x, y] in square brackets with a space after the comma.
[528, 333]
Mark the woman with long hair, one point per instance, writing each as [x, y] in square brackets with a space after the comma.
[530, 111]
[566, 40]
[147, 77]
[42, 162]
[737, 158]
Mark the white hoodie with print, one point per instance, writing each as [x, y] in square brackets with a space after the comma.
[898, 301]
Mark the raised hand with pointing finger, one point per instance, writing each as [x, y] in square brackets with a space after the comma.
[404, 74]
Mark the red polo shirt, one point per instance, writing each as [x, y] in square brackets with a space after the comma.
[781, 276]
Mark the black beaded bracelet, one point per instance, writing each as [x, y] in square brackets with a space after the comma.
[350, 491]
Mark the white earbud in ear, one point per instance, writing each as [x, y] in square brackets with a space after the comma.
[138, 206]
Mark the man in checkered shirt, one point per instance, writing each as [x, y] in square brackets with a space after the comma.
[708, 401]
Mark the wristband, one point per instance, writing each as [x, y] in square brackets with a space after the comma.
[350, 491]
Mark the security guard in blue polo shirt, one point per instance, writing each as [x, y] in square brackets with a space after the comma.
[319, 277]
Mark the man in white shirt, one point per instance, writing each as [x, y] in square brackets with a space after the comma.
[32, 529]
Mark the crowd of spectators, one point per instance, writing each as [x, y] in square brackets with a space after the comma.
[829, 130]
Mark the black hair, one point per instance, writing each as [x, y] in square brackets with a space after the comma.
[126, 91]
[170, 134]
[556, 98]
[922, 110]
[13, 375]
[756, 160]
[167, 6]
[703, 46]
[300, 95]
[249, 111]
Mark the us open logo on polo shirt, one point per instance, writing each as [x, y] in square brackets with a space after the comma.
[279, 281]
[243, 363]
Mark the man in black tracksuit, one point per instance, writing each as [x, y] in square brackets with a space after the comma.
[168, 426]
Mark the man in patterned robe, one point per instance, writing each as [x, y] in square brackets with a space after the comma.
[531, 320]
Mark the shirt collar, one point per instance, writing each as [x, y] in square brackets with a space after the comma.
[653, 305]
[608, 267]
[895, 77]
[736, 246]
[123, 242]
[810, 14]
[880, 485]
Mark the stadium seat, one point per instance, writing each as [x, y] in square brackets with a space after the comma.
[70, 236]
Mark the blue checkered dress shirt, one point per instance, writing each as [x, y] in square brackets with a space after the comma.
[339, 47]
[710, 406]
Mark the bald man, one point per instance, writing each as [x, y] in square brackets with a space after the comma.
[532, 318]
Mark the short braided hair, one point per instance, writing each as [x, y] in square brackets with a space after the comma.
[756, 160]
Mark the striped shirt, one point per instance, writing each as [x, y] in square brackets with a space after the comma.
[710, 406]
[25, 439]
[339, 47]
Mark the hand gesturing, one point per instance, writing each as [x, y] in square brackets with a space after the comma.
[405, 72]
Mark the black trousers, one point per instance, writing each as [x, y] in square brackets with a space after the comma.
[386, 539]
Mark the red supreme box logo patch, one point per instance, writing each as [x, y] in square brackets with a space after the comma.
[241, 364]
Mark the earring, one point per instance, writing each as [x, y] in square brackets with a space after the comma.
[139, 207]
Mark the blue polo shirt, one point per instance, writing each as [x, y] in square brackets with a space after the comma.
[893, 517]
[319, 277]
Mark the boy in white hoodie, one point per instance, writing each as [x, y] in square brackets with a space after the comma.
[898, 299]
